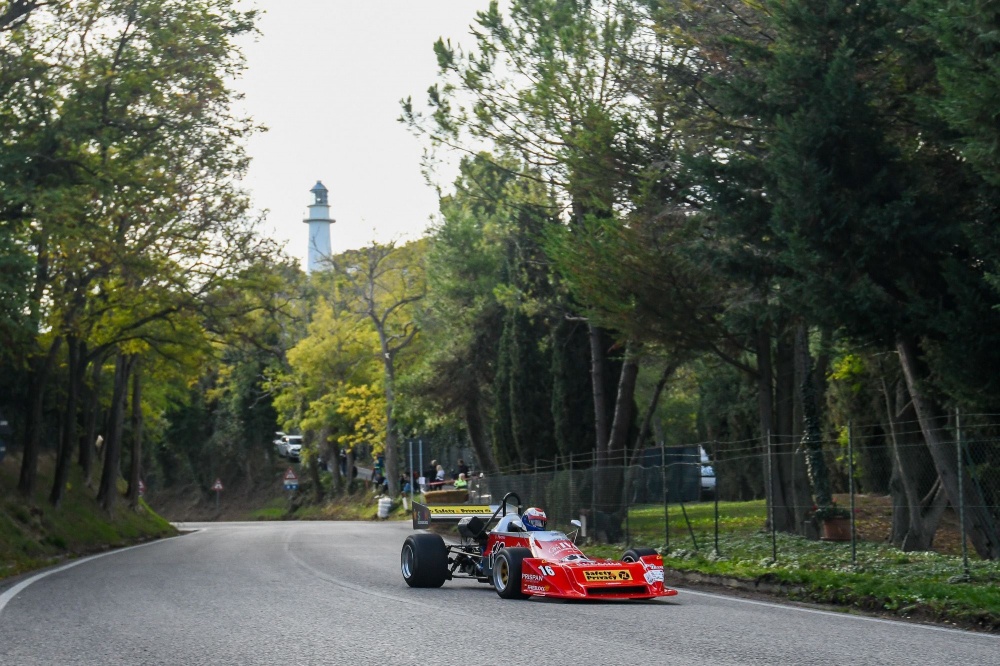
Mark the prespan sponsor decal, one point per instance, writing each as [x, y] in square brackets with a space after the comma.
[532, 578]
[607, 575]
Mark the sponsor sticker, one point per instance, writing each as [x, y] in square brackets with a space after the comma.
[532, 578]
[459, 510]
[607, 575]
[537, 588]
[654, 576]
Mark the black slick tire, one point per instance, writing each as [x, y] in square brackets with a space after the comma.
[424, 560]
[634, 554]
[507, 572]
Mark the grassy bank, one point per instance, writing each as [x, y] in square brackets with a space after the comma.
[33, 534]
[877, 578]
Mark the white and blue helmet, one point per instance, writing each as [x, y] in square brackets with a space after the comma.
[534, 519]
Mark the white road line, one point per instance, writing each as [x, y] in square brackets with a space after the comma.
[7, 596]
[860, 618]
[322, 575]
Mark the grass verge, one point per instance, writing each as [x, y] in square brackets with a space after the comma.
[879, 578]
[34, 534]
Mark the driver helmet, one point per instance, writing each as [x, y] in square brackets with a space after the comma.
[533, 519]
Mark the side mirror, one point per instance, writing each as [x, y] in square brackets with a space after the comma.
[578, 525]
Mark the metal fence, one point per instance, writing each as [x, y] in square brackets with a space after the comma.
[650, 497]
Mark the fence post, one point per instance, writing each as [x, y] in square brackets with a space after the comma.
[666, 507]
[770, 501]
[627, 480]
[534, 487]
[850, 484]
[715, 470]
[593, 490]
[961, 490]
[570, 501]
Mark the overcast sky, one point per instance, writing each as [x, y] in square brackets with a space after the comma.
[326, 77]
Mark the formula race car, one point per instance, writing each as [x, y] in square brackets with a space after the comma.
[522, 561]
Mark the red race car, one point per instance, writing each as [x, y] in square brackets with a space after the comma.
[521, 559]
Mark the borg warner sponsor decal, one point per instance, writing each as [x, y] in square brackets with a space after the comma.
[532, 578]
[607, 575]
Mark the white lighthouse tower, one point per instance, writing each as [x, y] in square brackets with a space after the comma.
[319, 222]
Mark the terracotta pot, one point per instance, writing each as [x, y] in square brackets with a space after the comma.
[836, 529]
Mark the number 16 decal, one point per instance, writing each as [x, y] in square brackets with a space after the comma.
[547, 571]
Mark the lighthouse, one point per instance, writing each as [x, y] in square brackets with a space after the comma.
[319, 222]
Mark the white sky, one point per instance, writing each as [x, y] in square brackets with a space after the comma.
[326, 77]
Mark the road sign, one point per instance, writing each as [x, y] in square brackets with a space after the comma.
[291, 479]
[217, 486]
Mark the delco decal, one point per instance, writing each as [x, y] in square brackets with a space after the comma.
[607, 575]
[654, 576]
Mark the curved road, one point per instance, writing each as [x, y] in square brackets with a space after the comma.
[331, 593]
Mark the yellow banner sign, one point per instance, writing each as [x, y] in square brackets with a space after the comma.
[605, 575]
[460, 510]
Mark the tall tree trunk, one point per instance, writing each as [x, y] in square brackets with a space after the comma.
[70, 433]
[41, 368]
[611, 476]
[391, 452]
[107, 493]
[788, 426]
[624, 407]
[774, 490]
[331, 454]
[980, 526]
[668, 371]
[92, 408]
[812, 436]
[135, 468]
[909, 531]
[314, 468]
[597, 379]
[477, 432]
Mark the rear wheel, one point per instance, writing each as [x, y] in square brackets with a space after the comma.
[635, 554]
[507, 572]
[424, 560]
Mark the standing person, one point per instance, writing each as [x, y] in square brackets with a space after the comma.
[463, 468]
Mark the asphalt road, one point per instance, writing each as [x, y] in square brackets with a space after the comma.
[331, 593]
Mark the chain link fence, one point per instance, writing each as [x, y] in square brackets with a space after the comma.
[687, 496]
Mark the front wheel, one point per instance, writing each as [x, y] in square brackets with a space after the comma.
[507, 572]
[424, 560]
[635, 554]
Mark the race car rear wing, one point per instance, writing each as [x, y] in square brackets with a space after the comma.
[424, 515]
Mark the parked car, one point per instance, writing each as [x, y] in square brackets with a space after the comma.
[289, 446]
[293, 448]
[707, 481]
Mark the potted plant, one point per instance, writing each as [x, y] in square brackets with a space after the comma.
[834, 521]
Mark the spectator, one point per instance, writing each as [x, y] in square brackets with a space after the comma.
[436, 478]
[463, 468]
[460, 482]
